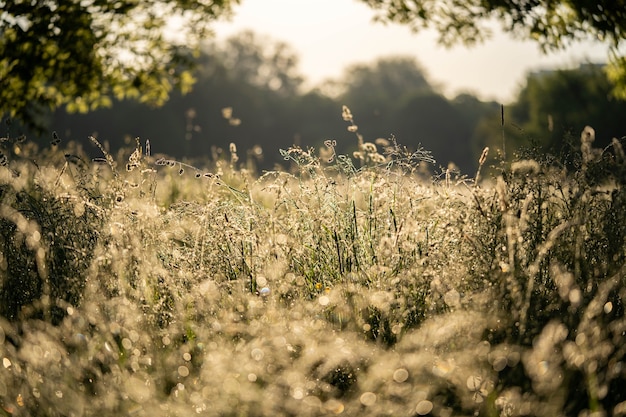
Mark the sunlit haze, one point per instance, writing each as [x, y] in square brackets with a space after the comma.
[329, 35]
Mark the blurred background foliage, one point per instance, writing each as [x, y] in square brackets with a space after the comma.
[82, 54]
[552, 24]
[249, 91]
[114, 70]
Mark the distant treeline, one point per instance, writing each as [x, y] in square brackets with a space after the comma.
[249, 92]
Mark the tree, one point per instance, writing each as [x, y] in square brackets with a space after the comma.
[393, 96]
[82, 54]
[255, 76]
[257, 60]
[478, 115]
[553, 24]
[558, 104]
[374, 89]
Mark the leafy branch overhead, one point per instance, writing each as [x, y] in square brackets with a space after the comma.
[553, 24]
[83, 54]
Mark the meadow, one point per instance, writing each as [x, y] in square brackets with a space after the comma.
[357, 285]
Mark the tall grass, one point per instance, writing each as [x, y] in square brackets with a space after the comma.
[344, 284]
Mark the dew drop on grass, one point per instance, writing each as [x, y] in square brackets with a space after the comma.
[334, 406]
[400, 375]
[297, 393]
[424, 407]
[127, 343]
[512, 359]
[312, 401]
[134, 336]
[183, 371]
[499, 363]
[368, 399]
[257, 354]
[79, 339]
[474, 382]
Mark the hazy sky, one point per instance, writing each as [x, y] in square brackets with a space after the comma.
[329, 35]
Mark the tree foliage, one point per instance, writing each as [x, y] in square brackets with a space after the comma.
[256, 60]
[555, 105]
[376, 89]
[82, 54]
[550, 112]
[393, 96]
[386, 78]
[255, 77]
[553, 24]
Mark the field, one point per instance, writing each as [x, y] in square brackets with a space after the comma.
[357, 285]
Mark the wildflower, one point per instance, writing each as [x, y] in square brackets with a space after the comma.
[483, 156]
[382, 142]
[227, 112]
[346, 114]
[587, 137]
[424, 407]
[369, 147]
[525, 166]
[377, 158]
